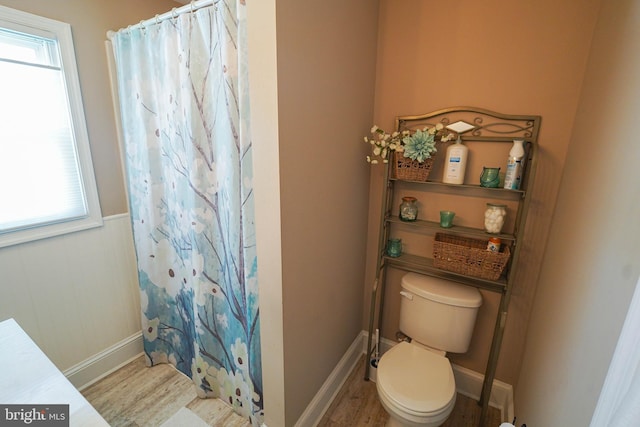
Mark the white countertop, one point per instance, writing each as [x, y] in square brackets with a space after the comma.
[27, 376]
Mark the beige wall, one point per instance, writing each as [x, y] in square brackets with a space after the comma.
[510, 57]
[592, 261]
[326, 68]
[312, 98]
[90, 21]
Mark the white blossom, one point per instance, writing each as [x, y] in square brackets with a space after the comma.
[383, 144]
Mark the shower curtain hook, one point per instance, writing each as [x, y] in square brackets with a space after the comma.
[173, 13]
[157, 19]
[142, 25]
[192, 1]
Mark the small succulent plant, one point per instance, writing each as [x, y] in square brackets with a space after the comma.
[420, 145]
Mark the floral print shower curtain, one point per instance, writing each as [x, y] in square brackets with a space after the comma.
[183, 91]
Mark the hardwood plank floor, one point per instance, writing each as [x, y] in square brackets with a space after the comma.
[136, 396]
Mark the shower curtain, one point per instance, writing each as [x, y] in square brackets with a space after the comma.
[183, 92]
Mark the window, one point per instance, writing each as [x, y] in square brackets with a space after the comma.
[47, 185]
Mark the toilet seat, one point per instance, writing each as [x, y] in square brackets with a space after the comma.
[416, 381]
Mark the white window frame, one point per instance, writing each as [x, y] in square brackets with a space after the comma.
[34, 24]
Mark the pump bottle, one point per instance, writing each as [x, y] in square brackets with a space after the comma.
[456, 163]
[513, 177]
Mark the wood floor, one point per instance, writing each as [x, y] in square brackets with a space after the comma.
[136, 396]
[139, 396]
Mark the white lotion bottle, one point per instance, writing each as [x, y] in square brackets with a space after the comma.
[514, 166]
[456, 163]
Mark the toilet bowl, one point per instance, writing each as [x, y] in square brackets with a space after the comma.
[414, 380]
[415, 386]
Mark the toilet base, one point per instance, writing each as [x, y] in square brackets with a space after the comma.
[428, 405]
[397, 421]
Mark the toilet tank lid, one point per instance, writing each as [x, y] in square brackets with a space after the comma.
[442, 290]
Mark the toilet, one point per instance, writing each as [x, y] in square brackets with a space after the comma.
[415, 381]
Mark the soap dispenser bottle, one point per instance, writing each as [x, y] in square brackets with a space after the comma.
[456, 163]
[514, 166]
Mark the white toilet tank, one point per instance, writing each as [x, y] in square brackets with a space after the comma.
[438, 313]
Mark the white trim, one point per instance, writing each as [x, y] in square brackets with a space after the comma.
[61, 31]
[116, 217]
[93, 369]
[331, 387]
[469, 383]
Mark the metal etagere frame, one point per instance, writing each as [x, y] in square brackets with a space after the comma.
[488, 127]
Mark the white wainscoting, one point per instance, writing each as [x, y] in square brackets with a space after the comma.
[76, 296]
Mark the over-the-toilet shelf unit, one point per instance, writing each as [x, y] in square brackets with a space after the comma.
[488, 128]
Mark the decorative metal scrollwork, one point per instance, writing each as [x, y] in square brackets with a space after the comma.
[487, 124]
[503, 128]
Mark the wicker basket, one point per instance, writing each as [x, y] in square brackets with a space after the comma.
[411, 170]
[469, 256]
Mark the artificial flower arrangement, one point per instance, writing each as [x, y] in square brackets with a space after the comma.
[419, 146]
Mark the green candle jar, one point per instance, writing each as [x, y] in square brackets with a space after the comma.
[394, 248]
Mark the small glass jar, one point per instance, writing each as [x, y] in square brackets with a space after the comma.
[494, 218]
[408, 209]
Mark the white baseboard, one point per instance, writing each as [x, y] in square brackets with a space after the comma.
[322, 400]
[468, 383]
[107, 361]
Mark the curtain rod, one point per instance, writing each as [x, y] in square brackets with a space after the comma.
[173, 13]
